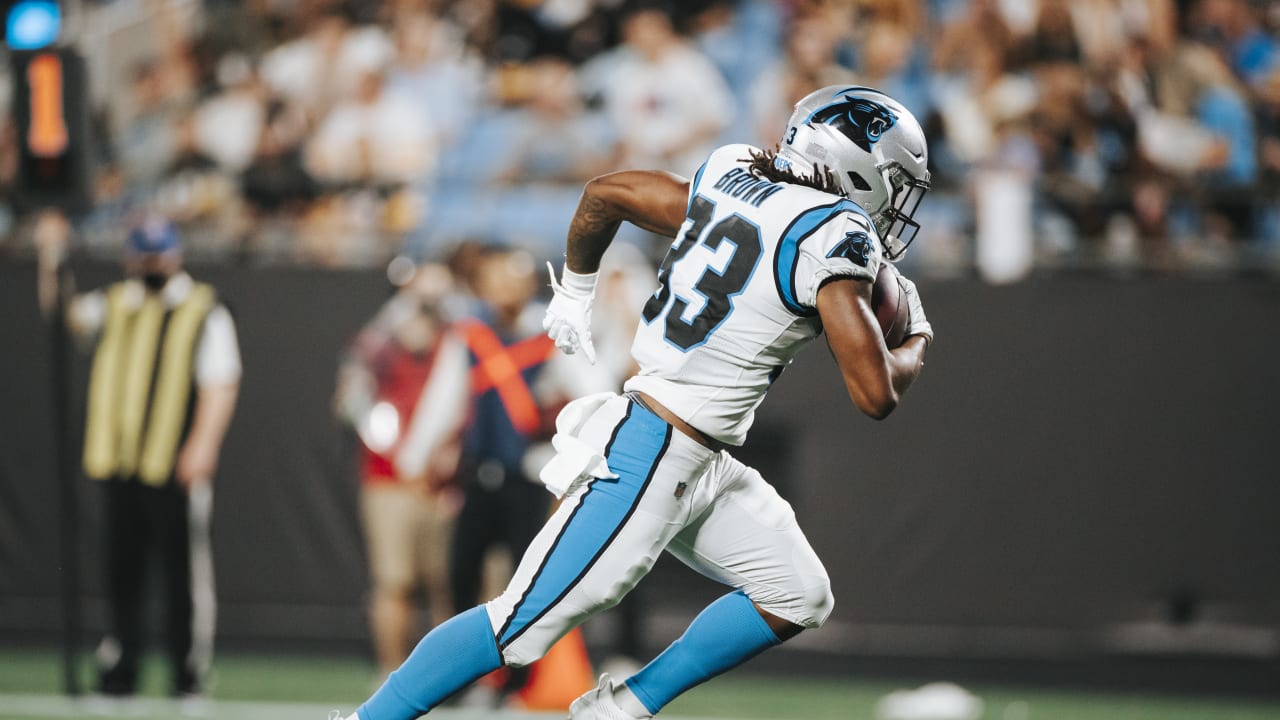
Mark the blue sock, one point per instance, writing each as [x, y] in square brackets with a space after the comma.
[454, 654]
[726, 634]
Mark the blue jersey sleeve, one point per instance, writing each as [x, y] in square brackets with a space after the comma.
[845, 246]
[830, 241]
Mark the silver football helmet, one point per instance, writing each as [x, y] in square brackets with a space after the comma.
[875, 149]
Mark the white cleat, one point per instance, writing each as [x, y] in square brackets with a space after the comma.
[598, 704]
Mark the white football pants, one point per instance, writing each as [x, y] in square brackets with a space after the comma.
[715, 514]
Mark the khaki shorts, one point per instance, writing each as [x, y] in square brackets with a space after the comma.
[407, 536]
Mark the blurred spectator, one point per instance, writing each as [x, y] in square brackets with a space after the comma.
[979, 105]
[372, 151]
[376, 137]
[889, 63]
[276, 186]
[980, 25]
[327, 62]
[147, 143]
[1231, 166]
[198, 195]
[399, 388]
[808, 62]
[276, 180]
[1086, 140]
[668, 101]
[163, 387]
[227, 125]
[984, 106]
[557, 140]
[731, 35]
[1085, 133]
[432, 68]
[1054, 38]
[1233, 28]
[1090, 32]
[1196, 127]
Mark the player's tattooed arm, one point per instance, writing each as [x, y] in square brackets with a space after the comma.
[590, 232]
[655, 201]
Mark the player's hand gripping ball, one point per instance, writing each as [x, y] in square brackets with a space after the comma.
[889, 303]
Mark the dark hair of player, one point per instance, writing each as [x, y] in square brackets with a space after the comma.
[763, 167]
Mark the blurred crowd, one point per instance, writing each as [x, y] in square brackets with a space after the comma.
[1120, 133]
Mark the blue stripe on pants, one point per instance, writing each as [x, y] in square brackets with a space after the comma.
[637, 446]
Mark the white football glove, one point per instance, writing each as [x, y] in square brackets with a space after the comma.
[568, 318]
[917, 323]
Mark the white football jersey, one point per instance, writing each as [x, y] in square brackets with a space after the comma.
[738, 291]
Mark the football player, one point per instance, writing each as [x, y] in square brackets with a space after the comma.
[771, 248]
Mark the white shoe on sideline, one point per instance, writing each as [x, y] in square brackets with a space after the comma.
[598, 704]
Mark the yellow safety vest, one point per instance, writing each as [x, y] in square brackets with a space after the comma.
[141, 384]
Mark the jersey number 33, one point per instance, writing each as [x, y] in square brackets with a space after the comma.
[717, 286]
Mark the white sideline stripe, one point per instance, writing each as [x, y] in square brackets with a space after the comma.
[204, 603]
[61, 706]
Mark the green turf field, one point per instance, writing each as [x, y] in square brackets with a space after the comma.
[253, 687]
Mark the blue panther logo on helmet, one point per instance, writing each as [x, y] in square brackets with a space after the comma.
[862, 121]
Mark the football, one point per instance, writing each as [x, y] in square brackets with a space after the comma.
[889, 304]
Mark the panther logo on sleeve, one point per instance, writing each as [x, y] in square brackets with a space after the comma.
[855, 246]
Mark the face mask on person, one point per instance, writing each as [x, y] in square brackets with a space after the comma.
[155, 281]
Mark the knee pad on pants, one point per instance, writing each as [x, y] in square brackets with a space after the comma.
[807, 605]
[818, 603]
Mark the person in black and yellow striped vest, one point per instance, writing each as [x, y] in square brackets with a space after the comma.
[162, 391]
